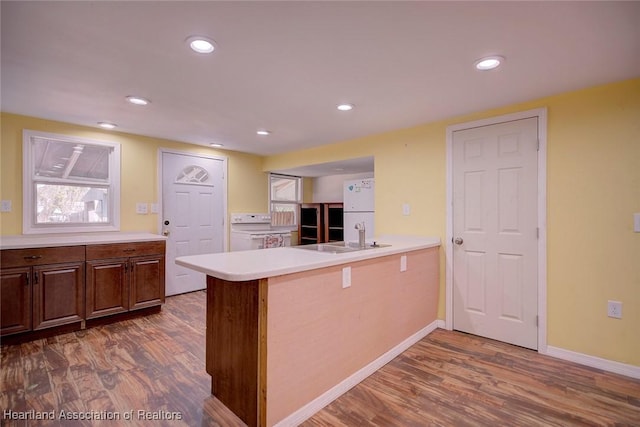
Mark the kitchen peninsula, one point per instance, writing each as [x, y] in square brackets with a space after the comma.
[290, 329]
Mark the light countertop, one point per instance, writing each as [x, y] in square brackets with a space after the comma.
[27, 241]
[263, 263]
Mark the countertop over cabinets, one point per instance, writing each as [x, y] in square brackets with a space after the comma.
[27, 241]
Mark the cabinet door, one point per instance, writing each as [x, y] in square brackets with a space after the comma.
[147, 281]
[58, 294]
[107, 287]
[15, 300]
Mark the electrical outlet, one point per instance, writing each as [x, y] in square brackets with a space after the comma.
[5, 206]
[614, 309]
[346, 277]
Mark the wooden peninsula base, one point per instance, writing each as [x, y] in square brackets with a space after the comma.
[279, 348]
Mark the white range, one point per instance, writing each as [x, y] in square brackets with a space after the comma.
[254, 231]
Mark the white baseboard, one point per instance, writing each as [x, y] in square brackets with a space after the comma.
[594, 362]
[308, 410]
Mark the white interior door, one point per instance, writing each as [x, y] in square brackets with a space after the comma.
[495, 284]
[193, 201]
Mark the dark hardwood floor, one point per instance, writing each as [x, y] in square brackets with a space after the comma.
[155, 364]
[455, 379]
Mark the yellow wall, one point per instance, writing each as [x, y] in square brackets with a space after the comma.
[593, 184]
[246, 183]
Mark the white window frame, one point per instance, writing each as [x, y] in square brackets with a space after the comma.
[29, 225]
[293, 203]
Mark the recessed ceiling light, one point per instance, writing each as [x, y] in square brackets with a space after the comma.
[488, 63]
[138, 100]
[345, 107]
[201, 44]
[216, 145]
[107, 125]
[263, 132]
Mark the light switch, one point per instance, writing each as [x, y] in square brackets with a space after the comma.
[141, 208]
[5, 206]
[346, 277]
[636, 222]
[154, 208]
[406, 209]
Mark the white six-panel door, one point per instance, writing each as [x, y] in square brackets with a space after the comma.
[192, 214]
[495, 262]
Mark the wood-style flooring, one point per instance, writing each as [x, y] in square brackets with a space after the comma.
[455, 379]
[155, 364]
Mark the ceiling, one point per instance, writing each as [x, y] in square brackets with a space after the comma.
[284, 66]
[358, 165]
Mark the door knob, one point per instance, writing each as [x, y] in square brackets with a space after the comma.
[165, 232]
[458, 241]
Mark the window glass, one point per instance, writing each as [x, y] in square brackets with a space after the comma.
[70, 184]
[285, 196]
[66, 160]
[71, 204]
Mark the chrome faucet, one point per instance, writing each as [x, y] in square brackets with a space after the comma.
[361, 237]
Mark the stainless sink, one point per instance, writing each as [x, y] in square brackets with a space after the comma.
[339, 247]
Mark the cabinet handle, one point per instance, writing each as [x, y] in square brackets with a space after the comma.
[33, 257]
[128, 250]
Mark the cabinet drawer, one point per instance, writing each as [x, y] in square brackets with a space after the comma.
[120, 250]
[40, 256]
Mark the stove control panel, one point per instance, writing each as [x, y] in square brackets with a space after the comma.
[250, 218]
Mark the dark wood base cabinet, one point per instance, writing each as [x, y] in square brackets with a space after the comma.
[58, 295]
[124, 276]
[44, 288]
[41, 288]
[15, 300]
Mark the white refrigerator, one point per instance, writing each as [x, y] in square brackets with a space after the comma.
[358, 207]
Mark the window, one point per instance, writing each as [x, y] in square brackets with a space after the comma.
[70, 184]
[285, 195]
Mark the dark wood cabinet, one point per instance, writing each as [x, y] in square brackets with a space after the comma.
[124, 276]
[320, 223]
[107, 287]
[333, 222]
[15, 300]
[39, 289]
[47, 287]
[147, 286]
[58, 294]
[310, 227]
